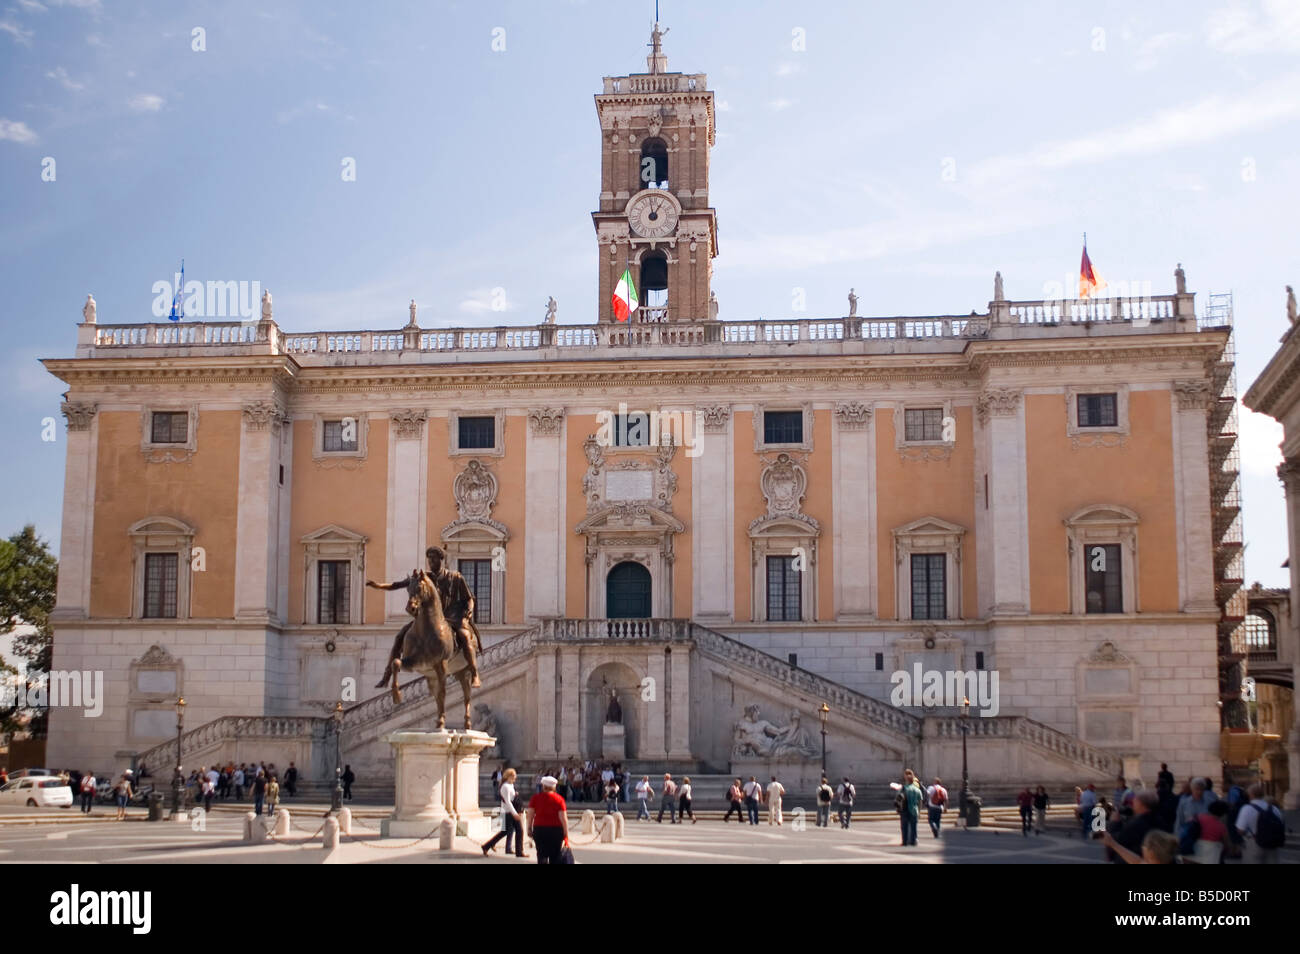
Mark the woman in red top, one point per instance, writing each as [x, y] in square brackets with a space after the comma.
[549, 825]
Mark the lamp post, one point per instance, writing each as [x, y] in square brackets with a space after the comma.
[336, 797]
[964, 722]
[178, 780]
[823, 712]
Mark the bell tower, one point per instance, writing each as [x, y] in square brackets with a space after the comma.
[654, 218]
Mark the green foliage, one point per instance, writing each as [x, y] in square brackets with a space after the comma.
[28, 578]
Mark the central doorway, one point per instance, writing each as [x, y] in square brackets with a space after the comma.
[627, 592]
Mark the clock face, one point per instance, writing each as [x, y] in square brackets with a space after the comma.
[652, 216]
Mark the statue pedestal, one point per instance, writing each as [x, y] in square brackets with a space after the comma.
[437, 779]
[613, 742]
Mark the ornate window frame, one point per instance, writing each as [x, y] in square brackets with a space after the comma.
[333, 542]
[169, 452]
[1099, 524]
[161, 534]
[928, 535]
[760, 413]
[1097, 436]
[779, 536]
[319, 453]
[921, 450]
[155, 659]
[499, 433]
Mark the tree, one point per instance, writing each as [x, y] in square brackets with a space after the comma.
[28, 578]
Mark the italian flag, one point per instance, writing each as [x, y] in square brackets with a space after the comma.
[1090, 280]
[625, 296]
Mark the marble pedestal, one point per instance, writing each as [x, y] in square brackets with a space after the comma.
[437, 779]
[613, 742]
[799, 776]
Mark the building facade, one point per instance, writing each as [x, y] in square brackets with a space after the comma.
[726, 523]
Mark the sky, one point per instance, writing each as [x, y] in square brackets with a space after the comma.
[906, 150]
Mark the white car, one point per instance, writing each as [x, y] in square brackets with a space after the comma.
[36, 791]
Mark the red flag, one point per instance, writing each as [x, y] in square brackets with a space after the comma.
[1090, 280]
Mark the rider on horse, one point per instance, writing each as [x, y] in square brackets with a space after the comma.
[457, 607]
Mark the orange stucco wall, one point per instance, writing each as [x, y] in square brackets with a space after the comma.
[1138, 475]
[907, 490]
[349, 493]
[203, 493]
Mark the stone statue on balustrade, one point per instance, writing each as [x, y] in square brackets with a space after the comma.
[88, 310]
[1290, 305]
[998, 293]
[756, 737]
[853, 304]
[550, 310]
[1180, 280]
[266, 304]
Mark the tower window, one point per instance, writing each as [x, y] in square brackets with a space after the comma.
[654, 284]
[653, 171]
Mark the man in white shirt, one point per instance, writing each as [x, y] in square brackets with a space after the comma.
[644, 792]
[239, 784]
[774, 792]
[846, 795]
[89, 785]
[213, 776]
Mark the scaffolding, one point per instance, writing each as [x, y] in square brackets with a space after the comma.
[1225, 515]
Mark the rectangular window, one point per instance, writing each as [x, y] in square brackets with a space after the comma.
[880, 662]
[1098, 410]
[632, 430]
[334, 592]
[979, 661]
[1102, 588]
[478, 575]
[783, 590]
[169, 427]
[160, 585]
[477, 433]
[929, 586]
[923, 424]
[340, 435]
[783, 427]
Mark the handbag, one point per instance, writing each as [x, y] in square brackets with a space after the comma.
[566, 855]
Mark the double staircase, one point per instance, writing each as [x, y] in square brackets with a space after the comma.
[860, 716]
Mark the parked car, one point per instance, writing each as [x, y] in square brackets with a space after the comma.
[36, 792]
[24, 773]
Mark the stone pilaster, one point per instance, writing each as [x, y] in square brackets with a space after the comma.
[679, 745]
[1289, 473]
[407, 481]
[257, 523]
[653, 746]
[853, 491]
[544, 536]
[1192, 400]
[1001, 414]
[712, 535]
[546, 693]
[570, 694]
[76, 542]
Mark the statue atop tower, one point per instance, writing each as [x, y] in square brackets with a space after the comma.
[657, 61]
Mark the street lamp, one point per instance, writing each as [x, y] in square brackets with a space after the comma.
[964, 722]
[336, 797]
[823, 712]
[178, 780]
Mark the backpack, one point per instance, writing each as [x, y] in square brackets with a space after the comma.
[900, 802]
[824, 794]
[846, 796]
[940, 796]
[1270, 832]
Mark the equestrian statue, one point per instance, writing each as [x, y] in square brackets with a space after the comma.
[441, 638]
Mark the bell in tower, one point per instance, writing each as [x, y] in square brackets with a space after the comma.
[654, 221]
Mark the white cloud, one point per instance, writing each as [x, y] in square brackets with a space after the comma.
[481, 301]
[723, 106]
[297, 112]
[18, 33]
[1241, 29]
[31, 5]
[1148, 53]
[94, 39]
[1261, 439]
[79, 4]
[1208, 120]
[788, 69]
[777, 105]
[146, 102]
[60, 75]
[16, 132]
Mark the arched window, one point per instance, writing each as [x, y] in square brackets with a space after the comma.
[653, 171]
[654, 284]
[1261, 634]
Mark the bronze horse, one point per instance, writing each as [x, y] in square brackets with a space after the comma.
[430, 647]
